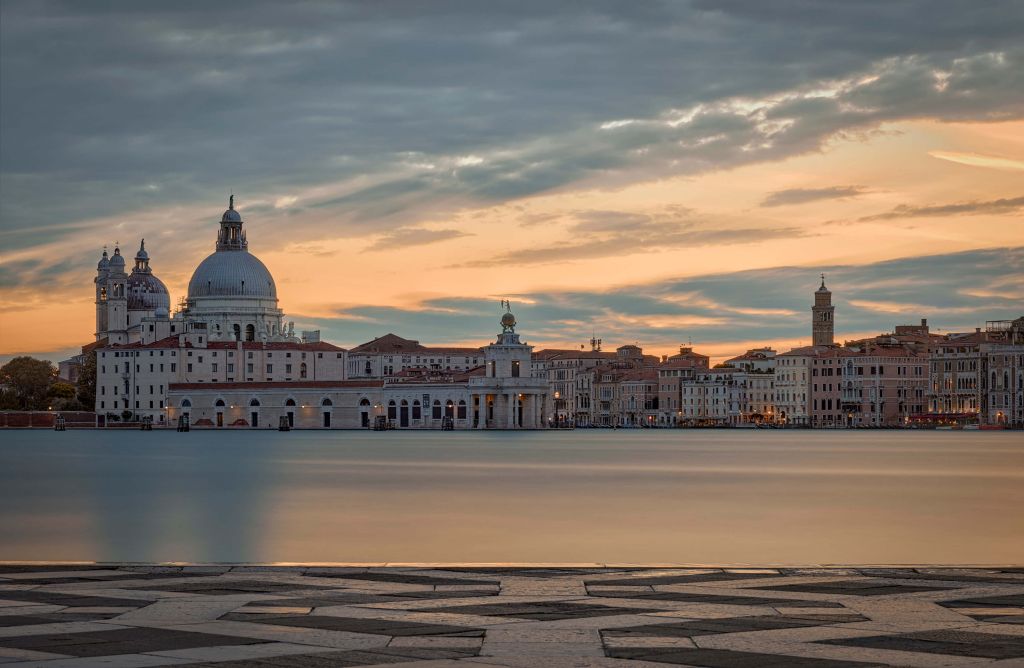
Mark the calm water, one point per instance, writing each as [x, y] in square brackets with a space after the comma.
[724, 497]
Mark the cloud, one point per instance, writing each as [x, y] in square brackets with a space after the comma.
[978, 160]
[404, 237]
[598, 234]
[973, 208]
[803, 195]
[418, 119]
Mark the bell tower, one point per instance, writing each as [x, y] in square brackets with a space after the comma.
[822, 317]
[102, 270]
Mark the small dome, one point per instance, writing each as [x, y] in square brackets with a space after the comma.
[142, 254]
[146, 292]
[231, 216]
[104, 262]
[117, 261]
[232, 274]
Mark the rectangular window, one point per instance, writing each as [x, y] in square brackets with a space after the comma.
[231, 368]
[215, 367]
[287, 368]
[270, 368]
[250, 367]
[173, 367]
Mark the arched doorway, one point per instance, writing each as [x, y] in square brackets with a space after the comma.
[326, 406]
[254, 413]
[220, 412]
[364, 412]
[290, 408]
[250, 333]
[403, 414]
[186, 410]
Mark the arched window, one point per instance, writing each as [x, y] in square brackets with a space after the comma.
[254, 402]
[185, 403]
[449, 409]
[237, 329]
[326, 402]
[250, 333]
[416, 412]
[220, 403]
[302, 370]
[436, 410]
[404, 402]
[369, 369]
[462, 409]
[289, 402]
[392, 410]
[364, 402]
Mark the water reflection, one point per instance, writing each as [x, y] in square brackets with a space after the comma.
[659, 496]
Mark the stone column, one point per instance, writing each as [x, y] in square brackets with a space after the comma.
[511, 401]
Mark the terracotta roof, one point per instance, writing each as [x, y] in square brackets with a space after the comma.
[389, 343]
[285, 385]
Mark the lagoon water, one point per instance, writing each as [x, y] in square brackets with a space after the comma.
[658, 496]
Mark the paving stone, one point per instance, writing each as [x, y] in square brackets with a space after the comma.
[853, 588]
[959, 643]
[720, 599]
[722, 576]
[405, 578]
[75, 600]
[720, 658]
[360, 625]
[120, 641]
[220, 587]
[344, 659]
[701, 627]
[541, 611]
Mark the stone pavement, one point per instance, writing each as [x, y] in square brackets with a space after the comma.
[126, 615]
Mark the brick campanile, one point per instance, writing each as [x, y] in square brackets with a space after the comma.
[822, 316]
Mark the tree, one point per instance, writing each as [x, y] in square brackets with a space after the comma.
[87, 381]
[29, 379]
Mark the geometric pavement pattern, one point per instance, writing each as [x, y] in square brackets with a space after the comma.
[132, 615]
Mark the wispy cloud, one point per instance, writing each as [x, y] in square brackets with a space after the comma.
[599, 234]
[995, 207]
[804, 195]
[404, 237]
[979, 160]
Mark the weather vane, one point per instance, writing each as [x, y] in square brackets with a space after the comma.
[507, 305]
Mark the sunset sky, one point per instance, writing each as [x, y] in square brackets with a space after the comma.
[647, 172]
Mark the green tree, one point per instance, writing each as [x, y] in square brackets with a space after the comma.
[29, 379]
[87, 381]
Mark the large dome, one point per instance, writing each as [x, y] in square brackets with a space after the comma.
[235, 273]
[146, 292]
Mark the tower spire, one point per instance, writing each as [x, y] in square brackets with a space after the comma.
[231, 201]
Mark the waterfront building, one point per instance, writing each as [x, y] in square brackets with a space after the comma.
[391, 355]
[145, 379]
[672, 372]
[755, 385]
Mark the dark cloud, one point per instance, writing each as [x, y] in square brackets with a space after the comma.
[413, 236]
[119, 106]
[996, 206]
[803, 195]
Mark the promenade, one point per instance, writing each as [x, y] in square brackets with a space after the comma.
[128, 615]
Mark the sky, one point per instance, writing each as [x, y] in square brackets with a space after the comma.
[655, 173]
